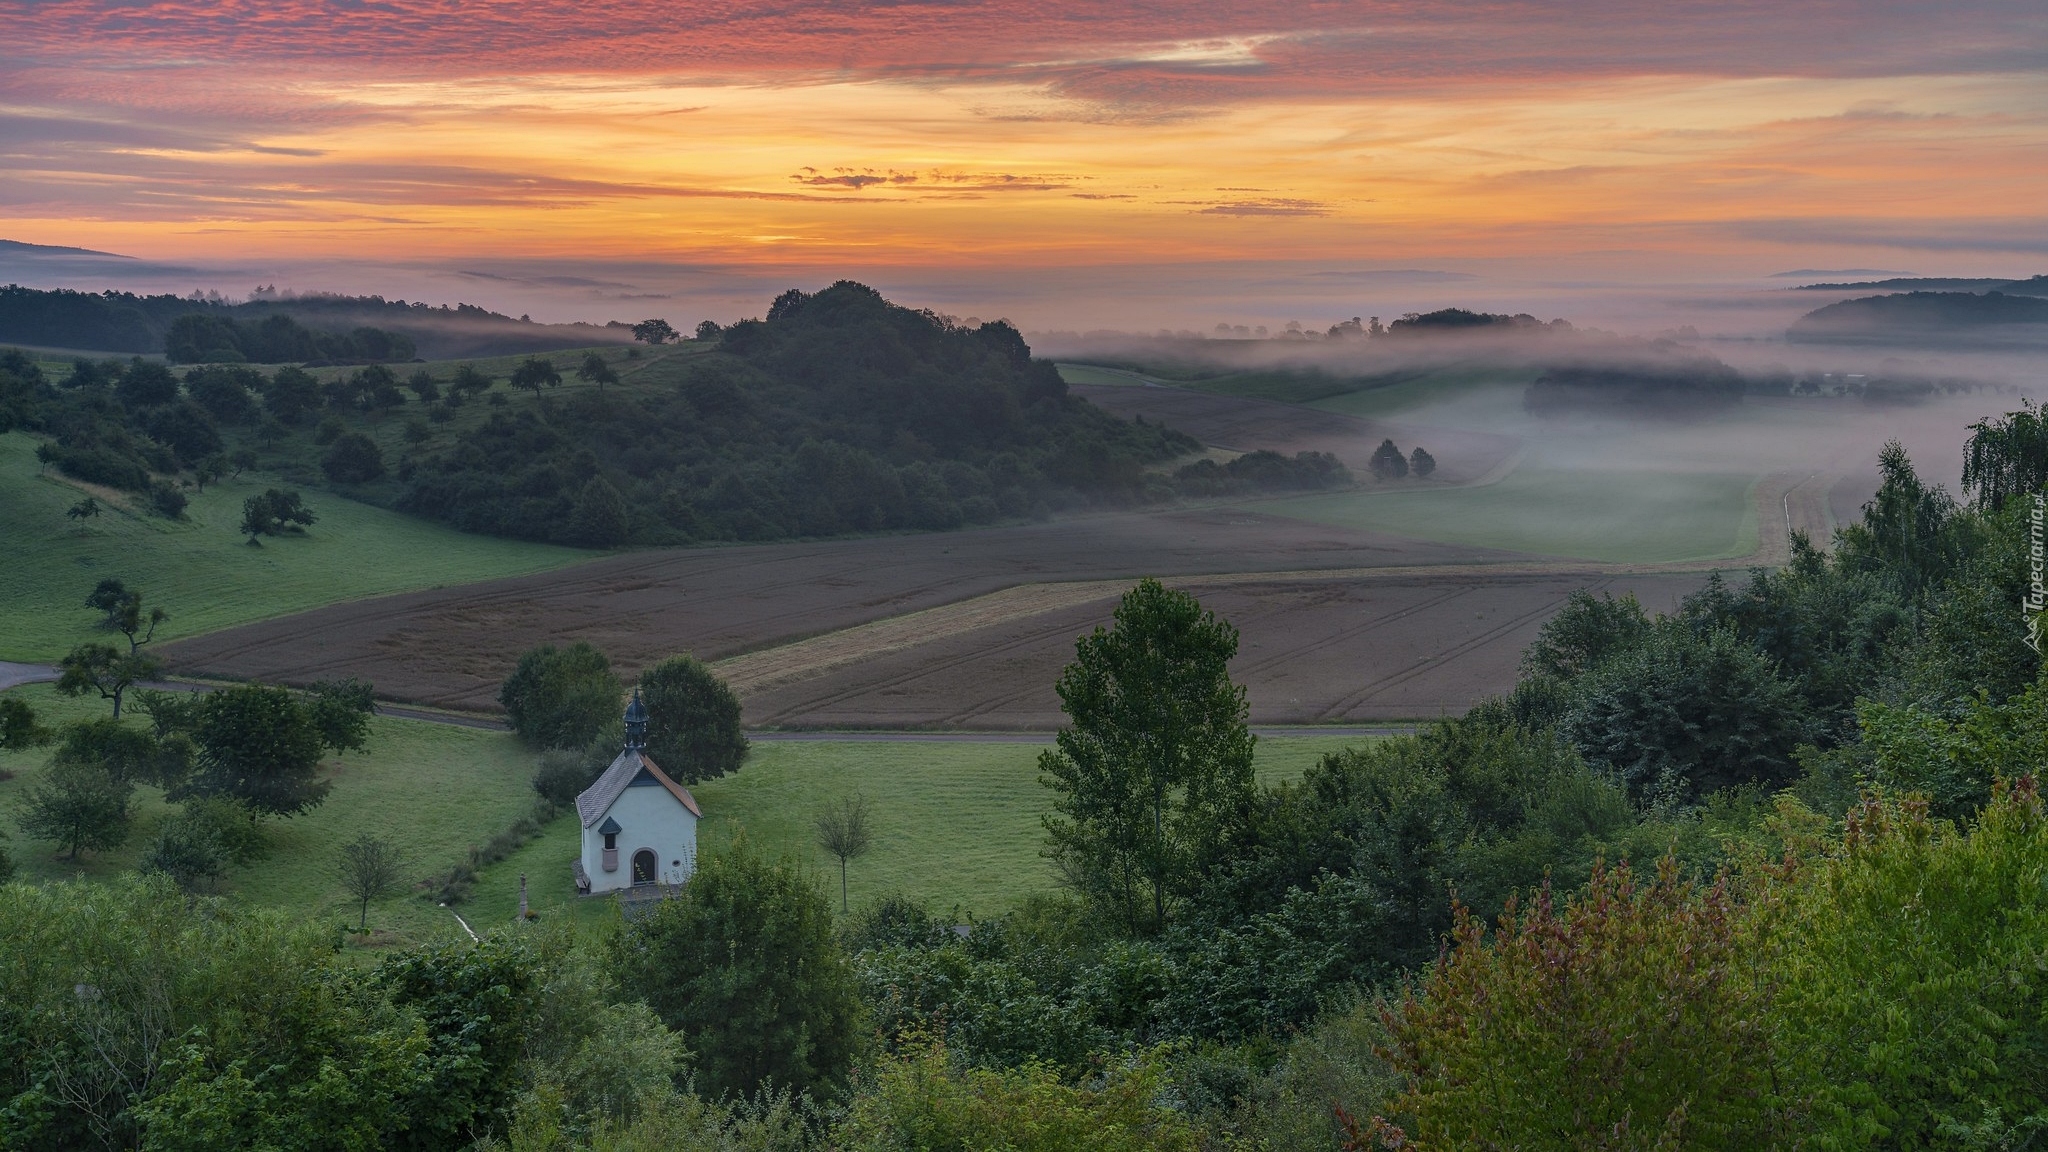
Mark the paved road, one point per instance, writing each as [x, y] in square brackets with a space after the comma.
[13, 675]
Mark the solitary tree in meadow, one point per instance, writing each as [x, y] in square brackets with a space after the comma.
[85, 509]
[843, 831]
[1421, 463]
[535, 375]
[370, 869]
[594, 370]
[105, 669]
[654, 332]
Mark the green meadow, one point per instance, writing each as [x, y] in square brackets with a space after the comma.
[1619, 516]
[200, 568]
[957, 824]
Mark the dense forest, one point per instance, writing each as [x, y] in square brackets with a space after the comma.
[840, 413]
[1763, 873]
[127, 322]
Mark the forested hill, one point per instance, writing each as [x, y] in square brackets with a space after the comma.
[129, 323]
[840, 412]
[1911, 317]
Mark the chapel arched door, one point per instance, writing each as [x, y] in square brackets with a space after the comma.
[644, 865]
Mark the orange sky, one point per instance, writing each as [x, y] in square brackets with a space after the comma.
[820, 134]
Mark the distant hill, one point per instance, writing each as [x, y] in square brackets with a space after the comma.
[19, 250]
[129, 323]
[1927, 317]
[2033, 286]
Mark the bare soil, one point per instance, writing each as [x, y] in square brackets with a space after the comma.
[1314, 649]
[452, 647]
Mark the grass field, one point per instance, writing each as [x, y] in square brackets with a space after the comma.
[956, 823]
[431, 788]
[199, 568]
[1626, 517]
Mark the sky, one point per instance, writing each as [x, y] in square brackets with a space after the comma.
[1079, 164]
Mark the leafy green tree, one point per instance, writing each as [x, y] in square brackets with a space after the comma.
[353, 459]
[18, 726]
[594, 370]
[1908, 530]
[126, 753]
[1632, 1017]
[693, 720]
[470, 382]
[240, 461]
[138, 626]
[654, 332]
[561, 697]
[1152, 775]
[85, 509]
[291, 396]
[601, 519]
[1421, 463]
[1908, 993]
[1681, 716]
[259, 746]
[2007, 456]
[108, 597]
[154, 1020]
[188, 851]
[341, 711]
[370, 868]
[210, 469]
[1585, 632]
[80, 807]
[105, 669]
[478, 1003]
[424, 386]
[1388, 463]
[743, 963]
[536, 373]
[274, 513]
[845, 832]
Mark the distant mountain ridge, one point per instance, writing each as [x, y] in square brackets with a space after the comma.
[1928, 317]
[2032, 286]
[126, 322]
[22, 249]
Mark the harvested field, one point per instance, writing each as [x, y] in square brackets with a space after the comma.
[1246, 425]
[451, 647]
[1315, 649]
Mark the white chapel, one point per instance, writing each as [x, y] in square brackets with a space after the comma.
[639, 826]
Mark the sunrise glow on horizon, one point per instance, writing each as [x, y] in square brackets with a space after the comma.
[1018, 135]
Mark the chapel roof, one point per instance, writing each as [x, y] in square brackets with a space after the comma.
[597, 799]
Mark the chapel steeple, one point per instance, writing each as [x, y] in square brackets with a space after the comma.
[636, 724]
